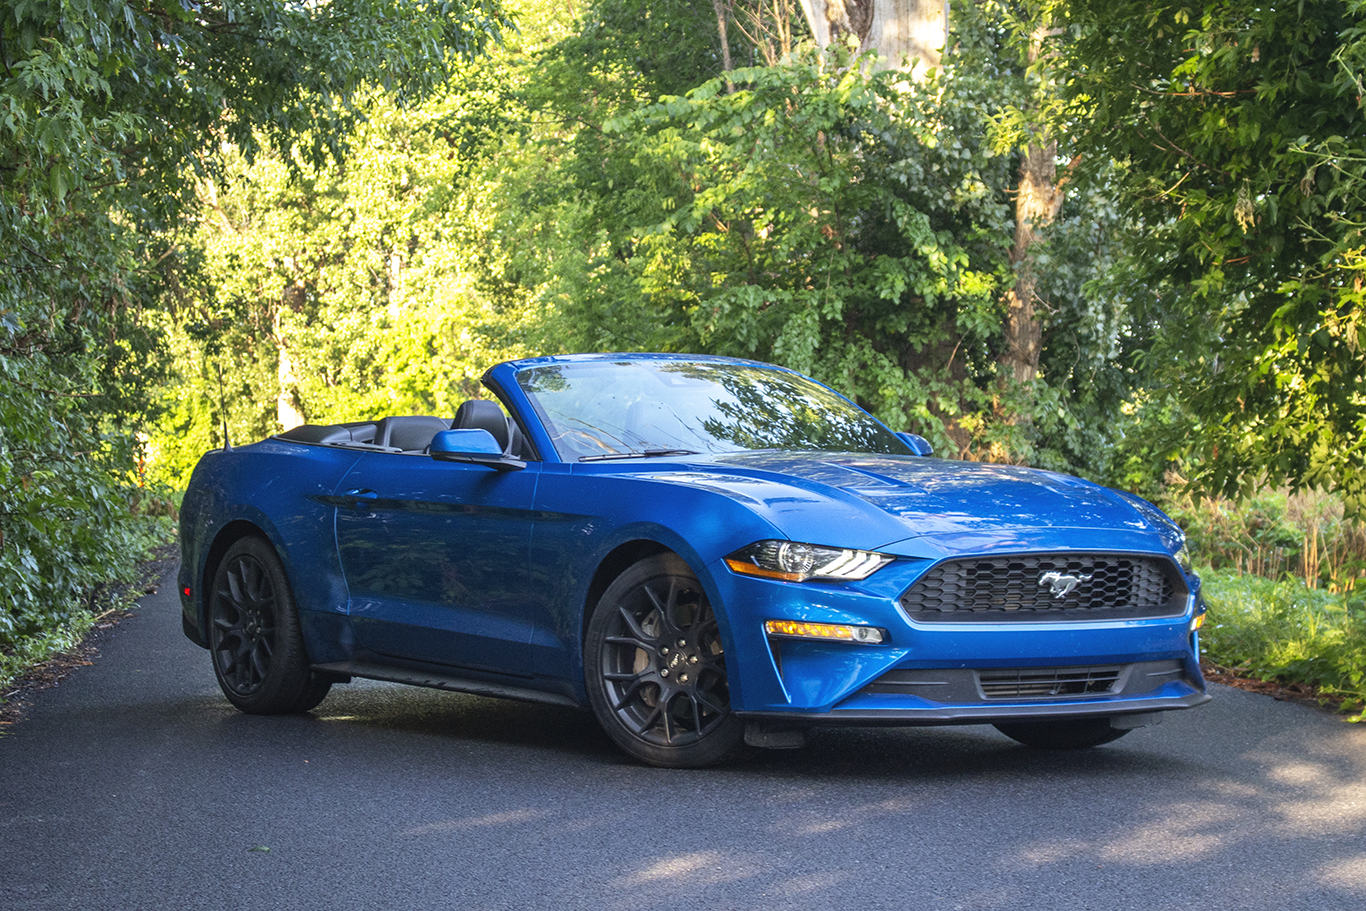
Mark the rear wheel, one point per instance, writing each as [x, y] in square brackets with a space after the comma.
[254, 638]
[655, 669]
[1062, 735]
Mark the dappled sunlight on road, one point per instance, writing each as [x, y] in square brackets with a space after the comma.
[491, 819]
[1189, 831]
[1349, 873]
[698, 868]
[807, 821]
[1260, 817]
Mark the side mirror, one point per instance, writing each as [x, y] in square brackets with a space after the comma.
[476, 447]
[919, 445]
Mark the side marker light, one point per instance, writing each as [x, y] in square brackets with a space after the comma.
[1198, 622]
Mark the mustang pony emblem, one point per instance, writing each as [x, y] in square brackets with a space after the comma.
[1061, 585]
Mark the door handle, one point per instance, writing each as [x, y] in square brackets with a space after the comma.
[360, 495]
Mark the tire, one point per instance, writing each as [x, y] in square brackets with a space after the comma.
[254, 638]
[655, 671]
[1080, 734]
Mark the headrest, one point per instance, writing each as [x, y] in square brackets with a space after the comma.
[410, 433]
[477, 414]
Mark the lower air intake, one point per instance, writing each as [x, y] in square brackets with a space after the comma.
[1048, 682]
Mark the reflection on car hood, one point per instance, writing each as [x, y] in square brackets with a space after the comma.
[923, 496]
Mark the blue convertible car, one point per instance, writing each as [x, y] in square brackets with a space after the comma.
[706, 552]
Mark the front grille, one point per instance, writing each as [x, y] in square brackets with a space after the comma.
[1048, 682]
[1047, 587]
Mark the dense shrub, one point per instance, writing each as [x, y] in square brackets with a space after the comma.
[1288, 632]
[1276, 534]
[74, 517]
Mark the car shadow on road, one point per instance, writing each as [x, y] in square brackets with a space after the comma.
[954, 753]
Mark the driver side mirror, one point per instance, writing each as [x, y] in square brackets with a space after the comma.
[475, 447]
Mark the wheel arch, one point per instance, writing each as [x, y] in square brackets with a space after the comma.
[226, 537]
[616, 562]
[625, 555]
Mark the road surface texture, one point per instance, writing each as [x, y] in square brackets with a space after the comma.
[134, 785]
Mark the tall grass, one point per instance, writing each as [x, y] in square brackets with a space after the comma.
[1285, 579]
[1275, 535]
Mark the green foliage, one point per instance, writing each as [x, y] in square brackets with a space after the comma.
[70, 521]
[1284, 631]
[849, 225]
[108, 113]
[822, 219]
[1237, 131]
[642, 48]
[1276, 534]
[343, 288]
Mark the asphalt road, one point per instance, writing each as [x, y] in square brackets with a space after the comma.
[133, 784]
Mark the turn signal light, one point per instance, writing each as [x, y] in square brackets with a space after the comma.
[1198, 622]
[869, 635]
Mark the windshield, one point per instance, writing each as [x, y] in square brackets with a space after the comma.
[597, 409]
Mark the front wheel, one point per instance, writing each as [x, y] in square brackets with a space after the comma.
[655, 669]
[1078, 734]
[254, 638]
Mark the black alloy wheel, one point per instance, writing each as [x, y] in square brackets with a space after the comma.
[1078, 734]
[655, 668]
[258, 651]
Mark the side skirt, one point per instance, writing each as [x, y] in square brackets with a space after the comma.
[443, 682]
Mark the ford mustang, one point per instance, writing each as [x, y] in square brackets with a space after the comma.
[707, 553]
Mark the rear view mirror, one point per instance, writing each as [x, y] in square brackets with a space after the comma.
[476, 447]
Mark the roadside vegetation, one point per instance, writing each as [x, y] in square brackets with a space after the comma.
[204, 231]
[1285, 580]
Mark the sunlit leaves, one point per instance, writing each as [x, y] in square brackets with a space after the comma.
[111, 113]
[1239, 133]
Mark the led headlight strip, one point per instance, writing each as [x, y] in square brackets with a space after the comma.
[790, 561]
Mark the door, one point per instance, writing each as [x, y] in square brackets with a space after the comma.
[434, 555]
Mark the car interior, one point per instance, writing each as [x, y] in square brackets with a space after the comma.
[414, 433]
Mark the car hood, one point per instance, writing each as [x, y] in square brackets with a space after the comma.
[892, 498]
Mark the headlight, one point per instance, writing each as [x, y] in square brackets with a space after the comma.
[1183, 557]
[1171, 533]
[793, 562]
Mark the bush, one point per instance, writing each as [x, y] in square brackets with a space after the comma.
[1286, 631]
[74, 517]
[1277, 535]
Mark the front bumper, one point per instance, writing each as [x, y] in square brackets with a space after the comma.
[931, 714]
[933, 673]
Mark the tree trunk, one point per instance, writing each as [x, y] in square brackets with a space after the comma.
[722, 8]
[904, 33]
[288, 412]
[1038, 201]
[722, 19]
